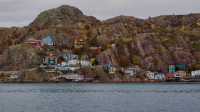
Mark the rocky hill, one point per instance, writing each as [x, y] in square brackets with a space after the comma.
[152, 43]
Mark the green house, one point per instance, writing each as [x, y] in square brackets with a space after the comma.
[50, 60]
[171, 68]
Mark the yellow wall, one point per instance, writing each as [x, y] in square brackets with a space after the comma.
[182, 73]
[78, 46]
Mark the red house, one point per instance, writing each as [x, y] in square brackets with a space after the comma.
[170, 76]
[34, 42]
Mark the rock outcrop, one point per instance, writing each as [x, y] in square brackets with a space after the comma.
[19, 57]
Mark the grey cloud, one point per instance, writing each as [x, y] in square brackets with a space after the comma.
[22, 12]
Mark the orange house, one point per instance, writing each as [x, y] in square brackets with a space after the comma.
[182, 73]
[170, 76]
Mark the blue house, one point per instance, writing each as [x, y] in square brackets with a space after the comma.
[48, 40]
[171, 68]
[67, 56]
[181, 65]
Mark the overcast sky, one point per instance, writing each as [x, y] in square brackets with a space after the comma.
[22, 12]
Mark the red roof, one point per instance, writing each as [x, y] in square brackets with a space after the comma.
[51, 56]
[78, 39]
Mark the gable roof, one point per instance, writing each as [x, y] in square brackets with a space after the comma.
[78, 39]
[51, 56]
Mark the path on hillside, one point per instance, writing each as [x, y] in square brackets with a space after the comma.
[16, 71]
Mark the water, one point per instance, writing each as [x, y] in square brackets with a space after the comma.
[100, 97]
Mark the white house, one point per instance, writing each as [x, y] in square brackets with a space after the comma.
[159, 76]
[85, 63]
[195, 73]
[14, 76]
[64, 64]
[47, 40]
[131, 71]
[75, 56]
[150, 75]
[73, 62]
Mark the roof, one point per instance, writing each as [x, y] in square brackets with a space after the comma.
[51, 56]
[78, 39]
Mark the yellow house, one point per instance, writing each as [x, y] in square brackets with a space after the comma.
[182, 73]
[92, 60]
[112, 70]
[79, 43]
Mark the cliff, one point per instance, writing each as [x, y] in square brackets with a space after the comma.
[152, 43]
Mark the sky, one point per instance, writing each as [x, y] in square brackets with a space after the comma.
[21, 13]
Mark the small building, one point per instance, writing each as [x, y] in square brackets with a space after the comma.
[50, 60]
[182, 73]
[73, 62]
[75, 56]
[181, 65]
[79, 43]
[171, 68]
[150, 75]
[84, 57]
[177, 76]
[114, 69]
[95, 48]
[195, 73]
[170, 76]
[92, 60]
[64, 64]
[112, 45]
[48, 40]
[73, 77]
[131, 71]
[67, 56]
[85, 63]
[34, 42]
[14, 76]
[159, 76]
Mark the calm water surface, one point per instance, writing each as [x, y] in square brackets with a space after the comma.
[100, 97]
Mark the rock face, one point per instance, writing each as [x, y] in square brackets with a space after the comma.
[19, 57]
[126, 19]
[63, 15]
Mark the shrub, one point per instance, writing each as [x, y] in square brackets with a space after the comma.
[39, 69]
[87, 27]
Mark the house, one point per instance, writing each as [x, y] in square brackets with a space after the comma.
[79, 43]
[67, 56]
[14, 76]
[73, 62]
[95, 48]
[112, 45]
[131, 71]
[195, 73]
[170, 76]
[92, 60]
[34, 42]
[171, 68]
[159, 76]
[114, 69]
[182, 73]
[75, 56]
[48, 40]
[64, 64]
[181, 65]
[84, 57]
[85, 63]
[150, 75]
[50, 60]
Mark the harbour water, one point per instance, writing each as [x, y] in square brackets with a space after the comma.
[100, 97]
